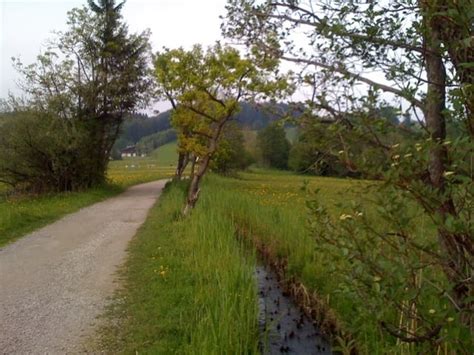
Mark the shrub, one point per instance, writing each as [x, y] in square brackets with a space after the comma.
[43, 153]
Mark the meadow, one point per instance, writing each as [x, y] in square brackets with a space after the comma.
[260, 212]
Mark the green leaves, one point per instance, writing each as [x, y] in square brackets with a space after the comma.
[205, 88]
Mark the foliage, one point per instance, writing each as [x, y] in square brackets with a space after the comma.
[231, 154]
[87, 80]
[422, 51]
[310, 155]
[39, 153]
[273, 146]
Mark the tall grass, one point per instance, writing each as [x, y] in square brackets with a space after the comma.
[272, 207]
[189, 287]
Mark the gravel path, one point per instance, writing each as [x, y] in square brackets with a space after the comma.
[55, 281]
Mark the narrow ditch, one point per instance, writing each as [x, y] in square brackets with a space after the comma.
[284, 327]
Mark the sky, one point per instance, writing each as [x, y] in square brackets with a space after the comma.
[25, 25]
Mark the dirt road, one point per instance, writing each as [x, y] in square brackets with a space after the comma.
[55, 281]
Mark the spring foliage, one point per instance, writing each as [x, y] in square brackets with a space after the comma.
[81, 87]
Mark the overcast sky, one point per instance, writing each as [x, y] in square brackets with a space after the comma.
[26, 24]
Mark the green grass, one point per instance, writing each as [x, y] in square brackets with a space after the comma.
[166, 155]
[272, 206]
[160, 163]
[20, 215]
[189, 288]
[189, 285]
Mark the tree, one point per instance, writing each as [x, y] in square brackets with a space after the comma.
[170, 65]
[310, 154]
[92, 75]
[273, 146]
[207, 87]
[423, 54]
[231, 155]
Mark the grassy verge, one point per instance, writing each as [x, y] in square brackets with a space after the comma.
[20, 215]
[189, 289]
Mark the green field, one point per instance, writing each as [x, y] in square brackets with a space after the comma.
[266, 208]
[160, 163]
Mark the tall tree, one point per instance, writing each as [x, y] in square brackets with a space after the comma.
[170, 65]
[207, 87]
[93, 74]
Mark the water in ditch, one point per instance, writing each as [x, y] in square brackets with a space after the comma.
[284, 327]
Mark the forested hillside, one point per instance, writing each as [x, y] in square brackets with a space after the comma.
[138, 126]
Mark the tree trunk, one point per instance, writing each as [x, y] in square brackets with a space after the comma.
[457, 247]
[203, 164]
[193, 166]
[194, 190]
[183, 159]
[456, 32]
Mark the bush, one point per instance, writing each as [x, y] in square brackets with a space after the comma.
[43, 153]
[306, 158]
[273, 146]
[231, 154]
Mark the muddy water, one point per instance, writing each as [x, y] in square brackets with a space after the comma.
[284, 328]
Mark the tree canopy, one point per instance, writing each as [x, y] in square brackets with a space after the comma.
[88, 78]
[205, 89]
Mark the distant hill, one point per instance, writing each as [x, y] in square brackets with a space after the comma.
[250, 117]
[138, 126]
[153, 131]
[166, 154]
